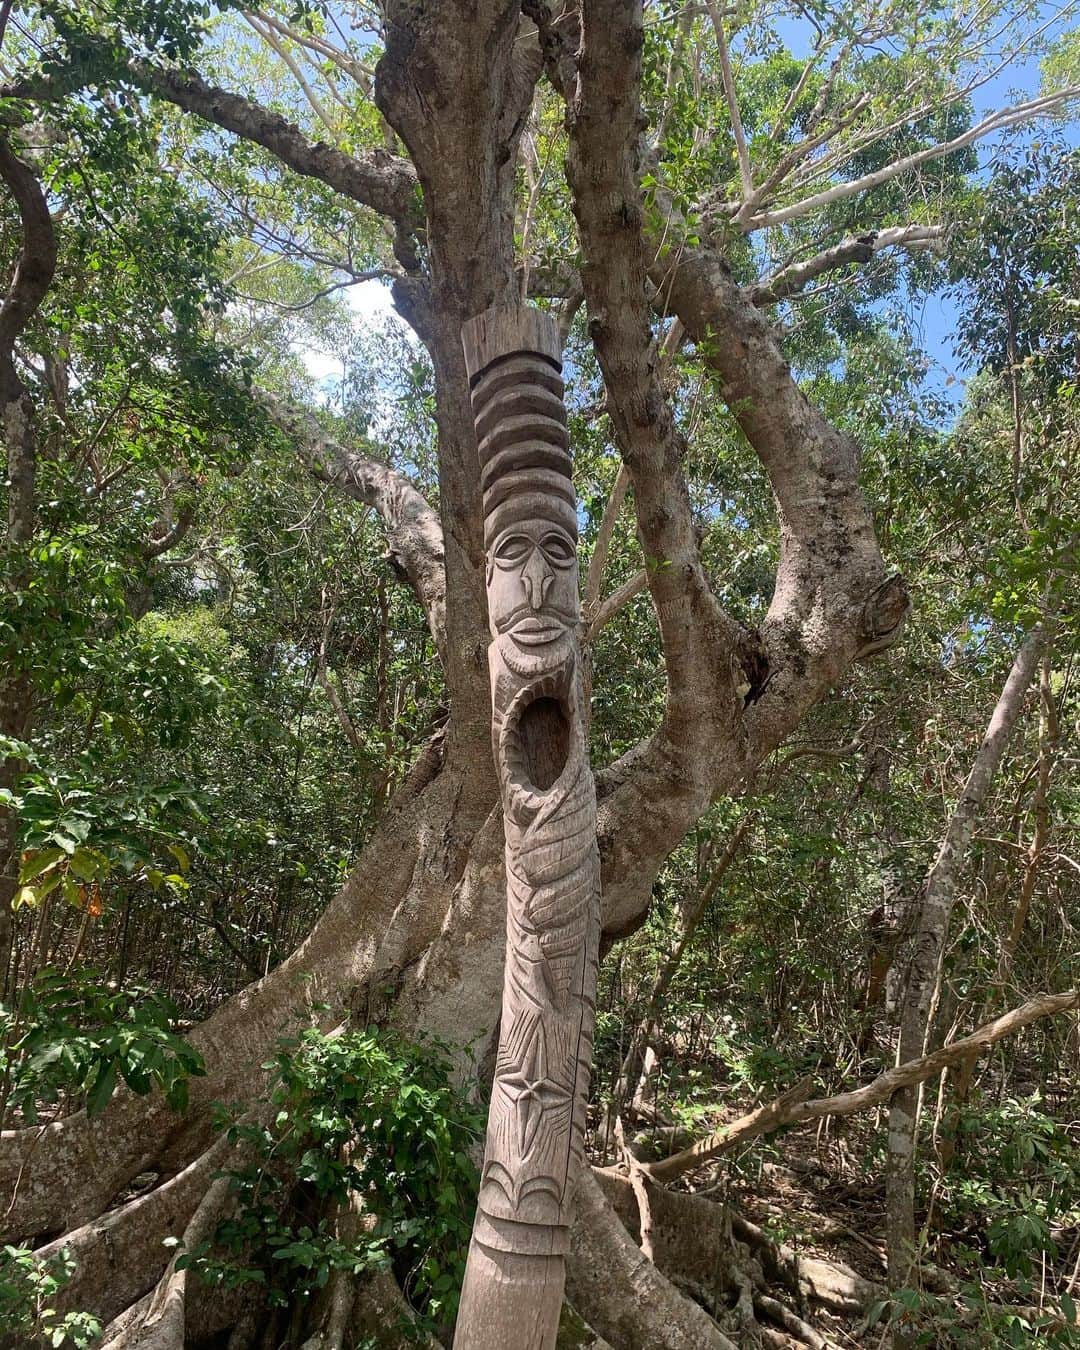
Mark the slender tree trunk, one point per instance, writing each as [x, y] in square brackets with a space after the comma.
[536, 1122]
[630, 1071]
[924, 971]
[1049, 732]
[29, 284]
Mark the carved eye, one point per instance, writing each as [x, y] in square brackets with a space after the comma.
[515, 548]
[558, 549]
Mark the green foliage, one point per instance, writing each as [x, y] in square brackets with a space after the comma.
[1020, 1179]
[27, 1289]
[971, 1321]
[363, 1125]
[82, 837]
[74, 1037]
[1019, 264]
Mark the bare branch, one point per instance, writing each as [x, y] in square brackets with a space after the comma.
[611, 604]
[996, 121]
[412, 528]
[357, 71]
[832, 602]
[175, 533]
[792, 1108]
[330, 689]
[274, 42]
[792, 279]
[595, 576]
[746, 175]
[676, 773]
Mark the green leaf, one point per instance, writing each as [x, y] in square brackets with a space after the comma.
[38, 862]
[87, 864]
[103, 1088]
[182, 859]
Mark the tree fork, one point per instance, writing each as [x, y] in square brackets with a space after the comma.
[516, 1267]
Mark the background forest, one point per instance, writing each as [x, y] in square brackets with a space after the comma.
[215, 673]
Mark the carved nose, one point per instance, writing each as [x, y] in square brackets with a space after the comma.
[536, 578]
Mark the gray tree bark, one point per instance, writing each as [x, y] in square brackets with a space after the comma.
[931, 914]
[29, 284]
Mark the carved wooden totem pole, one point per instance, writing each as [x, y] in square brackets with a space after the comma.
[514, 1280]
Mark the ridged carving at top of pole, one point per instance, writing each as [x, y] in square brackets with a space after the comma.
[536, 1117]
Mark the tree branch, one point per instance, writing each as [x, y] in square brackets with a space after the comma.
[791, 1109]
[590, 600]
[700, 641]
[746, 176]
[412, 528]
[832, 602]
[173, 535]
[996, 121]
[606, 609]
[277, 46]
[384, 182]
[792, 279]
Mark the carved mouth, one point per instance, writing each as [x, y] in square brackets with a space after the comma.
[536, 632]
[536, 735]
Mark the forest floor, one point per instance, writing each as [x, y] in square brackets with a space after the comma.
[821, 1193]
[811, 1194]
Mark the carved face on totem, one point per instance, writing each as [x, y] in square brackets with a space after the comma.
[532, 594]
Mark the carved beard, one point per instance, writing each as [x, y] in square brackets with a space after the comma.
[530, 663]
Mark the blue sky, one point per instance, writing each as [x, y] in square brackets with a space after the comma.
[933, 318]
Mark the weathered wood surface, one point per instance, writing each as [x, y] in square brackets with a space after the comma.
[515, 1276]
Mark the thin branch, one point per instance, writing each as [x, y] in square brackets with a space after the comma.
[618, 599]
[790, 1110]
[996, 121]
[356, 70]
[746, 175]
[384, 182]
[330, 689]
[278, 47]
[595, 575]
[413, 530]
[793, 278]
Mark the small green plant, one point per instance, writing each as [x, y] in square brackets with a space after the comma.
[74, 1033]
[1021, 1176]
[364, 1162]
[971, 1321]
[28, 1288]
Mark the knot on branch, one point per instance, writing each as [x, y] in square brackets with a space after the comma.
[883, 614]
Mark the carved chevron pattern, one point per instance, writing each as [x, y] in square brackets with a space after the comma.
[537, 1113]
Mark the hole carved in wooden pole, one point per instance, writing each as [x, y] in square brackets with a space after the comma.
[514, 1281]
